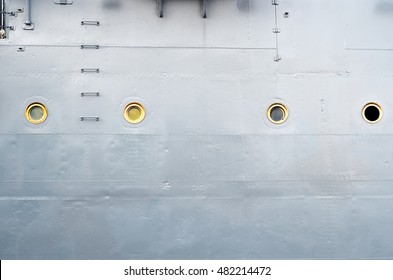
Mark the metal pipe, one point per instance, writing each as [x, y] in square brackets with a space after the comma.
[203, 8]
[160, 8]
[2, 19]
[28, 25]
[28, 15]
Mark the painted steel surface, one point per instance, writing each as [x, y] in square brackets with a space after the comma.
[205, 175]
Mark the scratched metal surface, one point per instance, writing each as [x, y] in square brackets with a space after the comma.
[205, 175]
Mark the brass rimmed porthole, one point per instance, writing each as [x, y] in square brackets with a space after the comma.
[277, 113]
[372, 112]
[36, 113]
[134, 113]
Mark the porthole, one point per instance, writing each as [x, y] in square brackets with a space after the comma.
[372, 112]
[277, 113]
[36, 113]
[134, 113]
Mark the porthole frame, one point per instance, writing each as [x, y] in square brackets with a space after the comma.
[33, 105]
[281, 107]
[130, 106]
[368, 105]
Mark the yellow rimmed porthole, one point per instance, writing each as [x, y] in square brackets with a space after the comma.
[372, 112]
[277, 113]
[134, 113]
[36, 113]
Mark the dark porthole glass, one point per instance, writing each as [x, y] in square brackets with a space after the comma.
[277, 113]
[372, 113]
